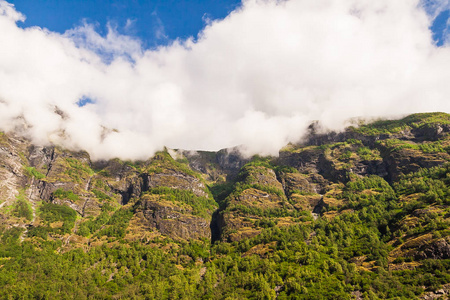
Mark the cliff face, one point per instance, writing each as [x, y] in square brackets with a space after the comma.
[304, 178]
[358, 207]
[391, 176]
[53, 175]
[175, 220]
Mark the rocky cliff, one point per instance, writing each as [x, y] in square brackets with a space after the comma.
[384, 184]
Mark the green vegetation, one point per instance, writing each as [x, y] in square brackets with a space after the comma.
[117, 224]
[249, 175]
[135, 164]
[78, 165]
[183, 160]
[240, 187]
[276, 212]
[21, 207]
[32, 172]
[432, 184]
[162, 161]
[374, 238]
[201, 206]
[292, 268]
[53, 213]
[78, 170]
[94, 224]
[246, 179]
[422, 120]
[366, 153]
[58, 219]
[221, 190]
[62, 194]
[426, 147]
[100, 195]
[9, 242]
[100, 184]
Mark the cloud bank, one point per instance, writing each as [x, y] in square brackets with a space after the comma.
[256, 78]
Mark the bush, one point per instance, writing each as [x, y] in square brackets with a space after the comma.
[62, 194]
[32, 172]
[22, 208]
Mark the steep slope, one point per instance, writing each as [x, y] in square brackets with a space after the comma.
[360, 214]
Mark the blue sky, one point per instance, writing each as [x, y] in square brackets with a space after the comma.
[439, 27]
[155, 22]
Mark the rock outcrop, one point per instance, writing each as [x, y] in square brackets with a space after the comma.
[172, 219]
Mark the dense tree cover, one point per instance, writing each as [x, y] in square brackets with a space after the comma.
[53, 213]
[308, 260]
[296, 264]
[94, 224]
[433, 184]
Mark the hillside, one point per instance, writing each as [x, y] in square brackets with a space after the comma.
[360, 214]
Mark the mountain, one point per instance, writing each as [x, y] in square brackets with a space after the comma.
[358, 214]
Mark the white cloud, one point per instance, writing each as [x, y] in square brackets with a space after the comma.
[7, 10]
[256, 78]
[112, 46]
[159, 30]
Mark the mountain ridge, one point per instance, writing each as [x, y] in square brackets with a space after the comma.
[365, 210]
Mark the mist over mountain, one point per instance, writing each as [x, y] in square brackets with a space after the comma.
[256, 78]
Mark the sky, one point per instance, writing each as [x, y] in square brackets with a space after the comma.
[155, 22]
[126, 78]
